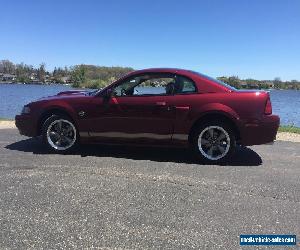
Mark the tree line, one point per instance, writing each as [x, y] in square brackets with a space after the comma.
[91, 76]
[277, 83]
[29, 74]
[80, 76]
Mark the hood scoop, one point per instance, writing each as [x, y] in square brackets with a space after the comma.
[72, 92]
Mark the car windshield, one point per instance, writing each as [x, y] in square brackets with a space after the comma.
[216, 80]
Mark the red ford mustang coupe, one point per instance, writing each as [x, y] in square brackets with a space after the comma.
[157, 107]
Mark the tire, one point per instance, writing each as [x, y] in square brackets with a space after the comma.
[213, 142]
[60, 134]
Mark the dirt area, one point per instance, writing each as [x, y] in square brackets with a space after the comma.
[285, 136]
[7, 124]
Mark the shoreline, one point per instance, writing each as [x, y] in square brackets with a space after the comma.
[281, 135]
[37, 83]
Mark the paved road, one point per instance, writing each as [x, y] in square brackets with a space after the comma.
[120, 197]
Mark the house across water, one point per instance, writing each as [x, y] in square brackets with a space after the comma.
[7, 77]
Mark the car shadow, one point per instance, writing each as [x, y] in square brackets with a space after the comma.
[243, 156]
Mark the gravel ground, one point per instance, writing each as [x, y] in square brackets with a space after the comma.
[141, 198]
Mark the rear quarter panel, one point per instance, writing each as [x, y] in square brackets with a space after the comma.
[241, 107]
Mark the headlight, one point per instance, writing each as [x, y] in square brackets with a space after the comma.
[25, 110]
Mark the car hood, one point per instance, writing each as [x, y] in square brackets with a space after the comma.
[66, 95]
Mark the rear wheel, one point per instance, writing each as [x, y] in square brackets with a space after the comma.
[214, 142]
[59, 133]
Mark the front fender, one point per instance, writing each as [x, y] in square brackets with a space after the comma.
[57, 106]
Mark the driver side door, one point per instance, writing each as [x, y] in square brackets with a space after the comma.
[139, 110]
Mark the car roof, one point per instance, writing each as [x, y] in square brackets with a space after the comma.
[163, 70]
[203, 84]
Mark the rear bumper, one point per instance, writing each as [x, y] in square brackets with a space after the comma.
[260, 132]
[26, 125]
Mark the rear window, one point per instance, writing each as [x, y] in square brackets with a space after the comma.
[184, 85]
[215, 80]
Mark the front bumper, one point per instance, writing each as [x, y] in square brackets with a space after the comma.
[26, 125]
[260, 132]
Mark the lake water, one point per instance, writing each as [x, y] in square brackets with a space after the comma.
[286, 103]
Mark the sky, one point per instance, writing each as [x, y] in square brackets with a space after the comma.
[257, 39]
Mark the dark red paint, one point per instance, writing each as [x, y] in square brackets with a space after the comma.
[166, 119]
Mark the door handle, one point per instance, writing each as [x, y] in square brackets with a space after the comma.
[161, 103]
[183, 108]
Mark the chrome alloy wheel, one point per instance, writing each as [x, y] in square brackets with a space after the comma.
[61, 134]
[214, 142]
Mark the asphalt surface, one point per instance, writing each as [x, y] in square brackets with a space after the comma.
[143, 198]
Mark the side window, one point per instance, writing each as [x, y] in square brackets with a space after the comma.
[155, 85]
[148, 84]
[185, 85]
[125, 88]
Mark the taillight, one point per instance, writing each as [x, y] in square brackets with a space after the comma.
[268, 107]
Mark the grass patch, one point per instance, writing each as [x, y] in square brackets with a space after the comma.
[289, 128]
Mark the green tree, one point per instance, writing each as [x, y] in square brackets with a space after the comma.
[41, 72]
[233, 81]
[278, 83]
[78, 76]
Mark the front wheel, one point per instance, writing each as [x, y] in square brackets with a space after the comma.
[214, 142]
[59, 134]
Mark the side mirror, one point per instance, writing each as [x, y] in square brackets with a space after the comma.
[106, 97]
[108, 93]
